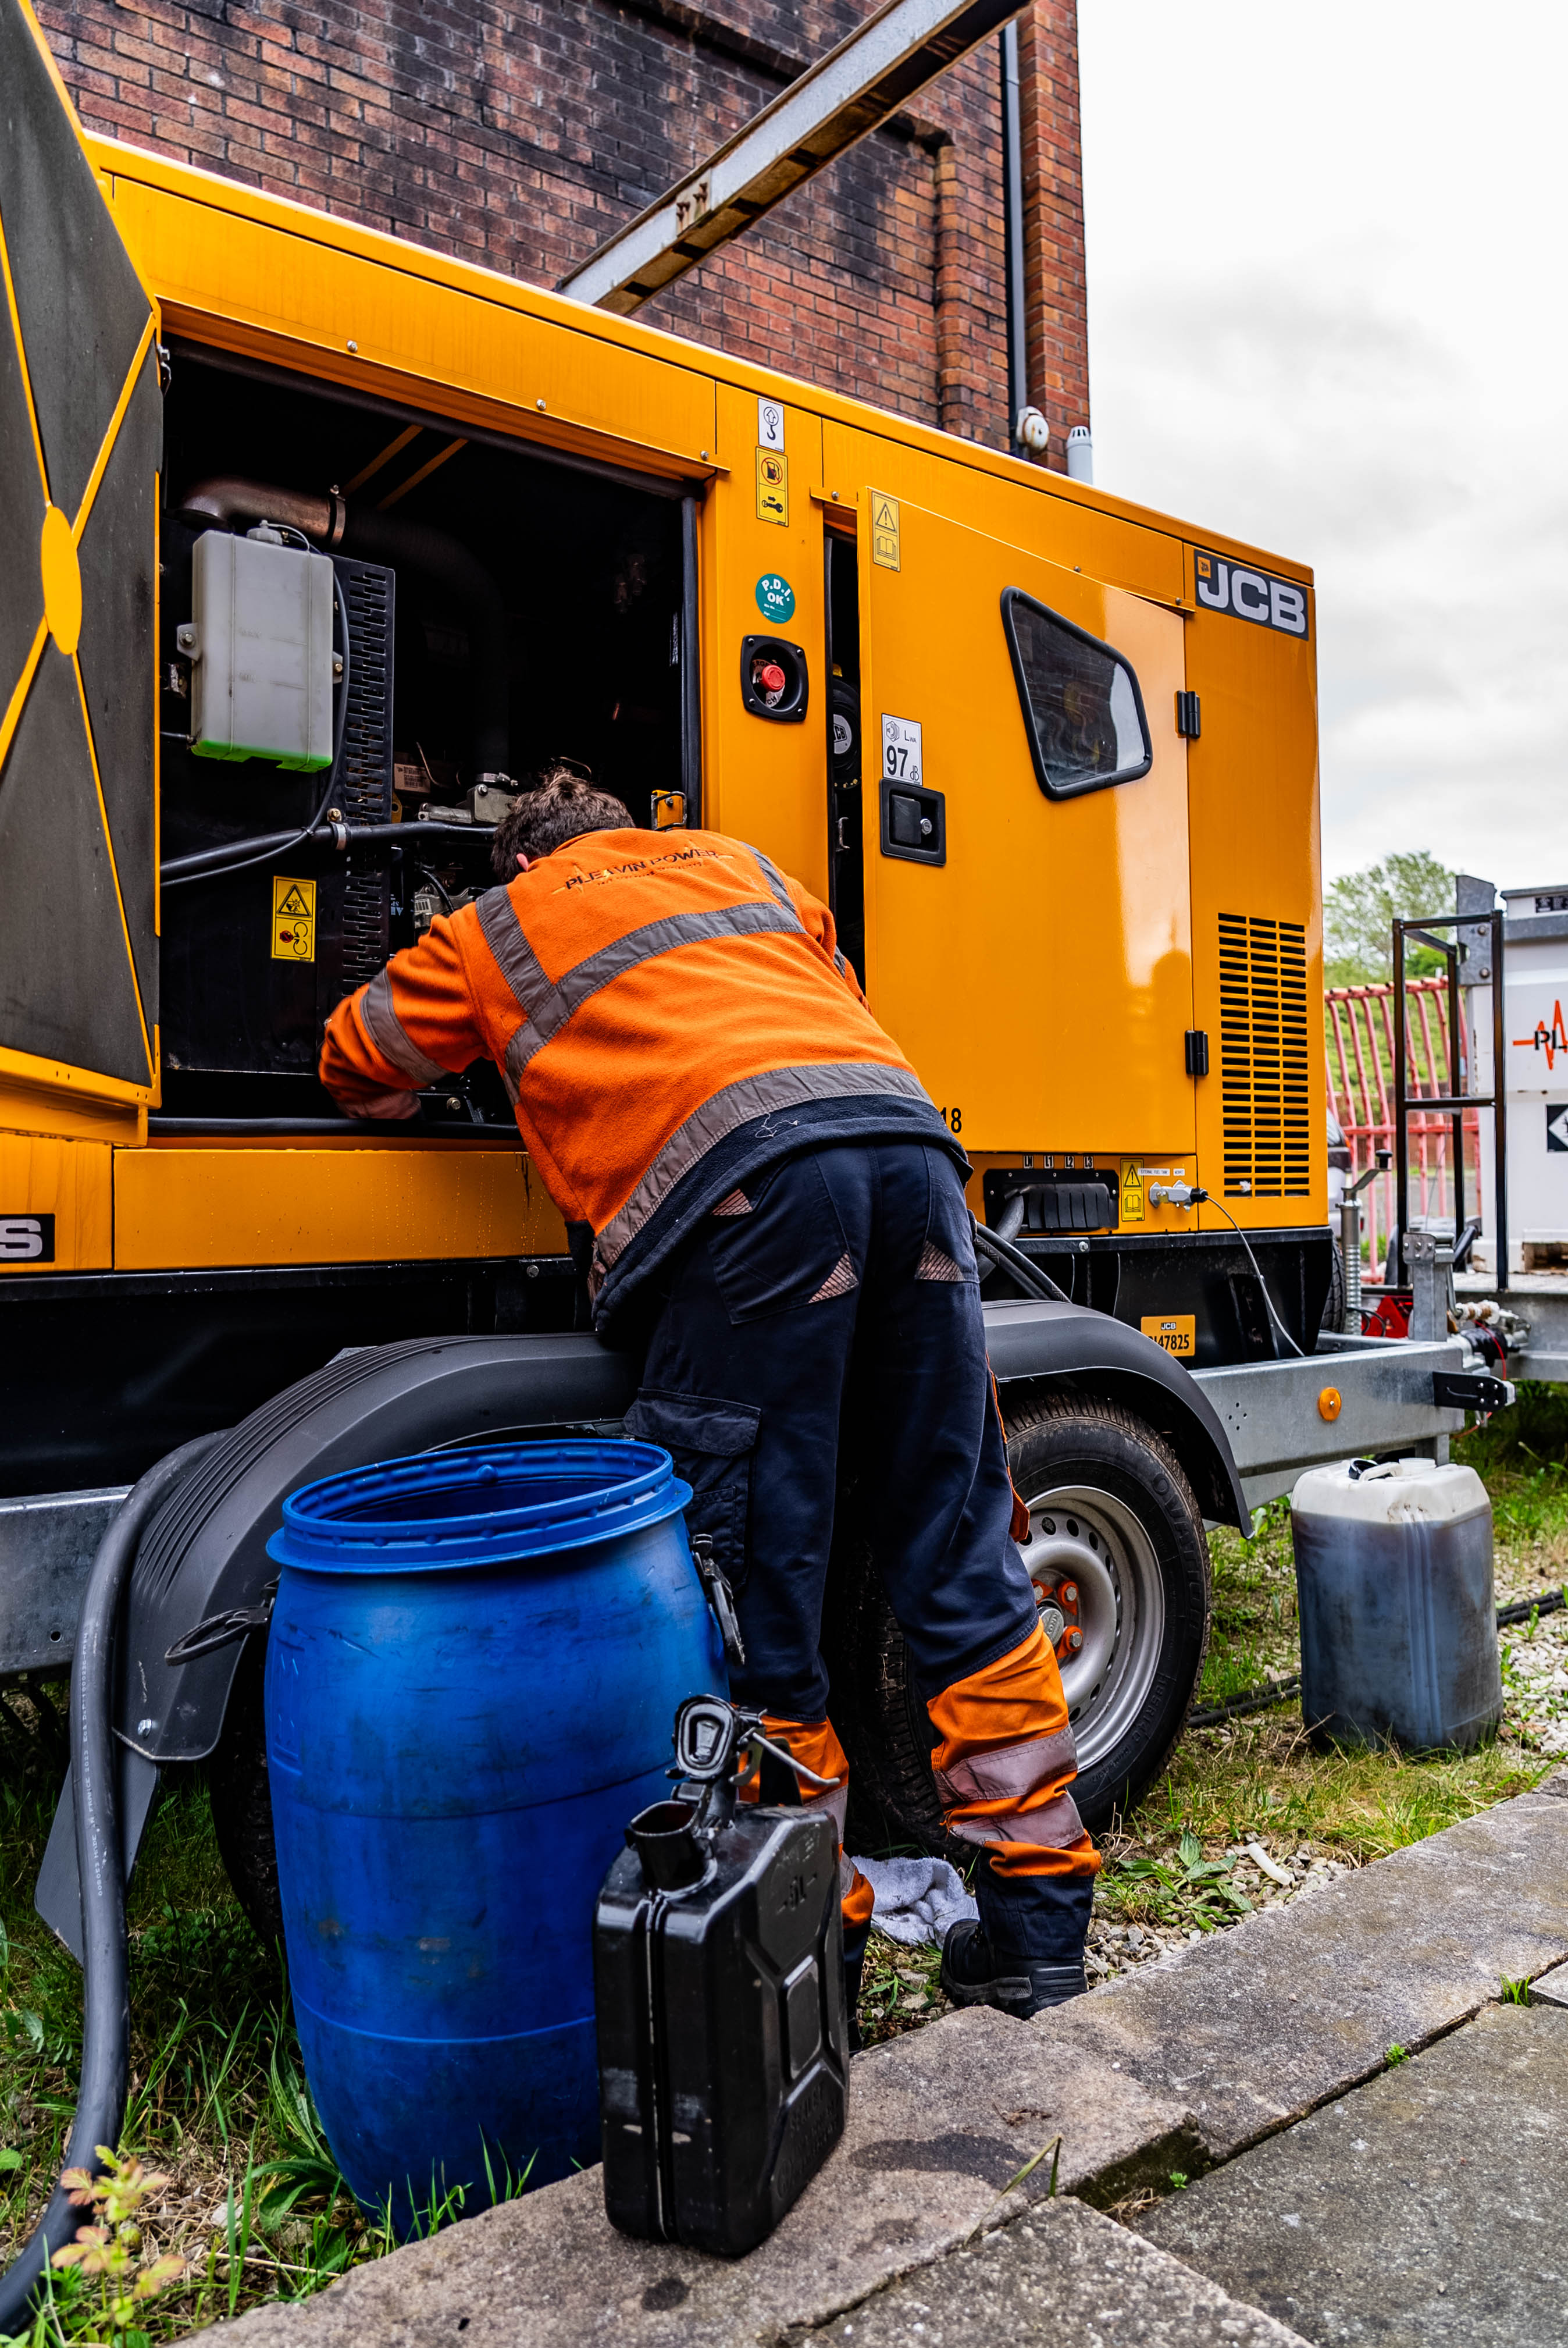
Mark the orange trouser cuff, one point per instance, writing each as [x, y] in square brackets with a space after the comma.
[1004, 1760]
[816, 1745]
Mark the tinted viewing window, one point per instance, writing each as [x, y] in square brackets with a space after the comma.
[1081, 702]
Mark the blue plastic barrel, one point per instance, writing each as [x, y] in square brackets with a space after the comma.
[474, 1663]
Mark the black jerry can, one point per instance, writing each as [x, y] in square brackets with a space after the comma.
[723, 2053]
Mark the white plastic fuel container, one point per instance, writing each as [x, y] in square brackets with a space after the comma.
[1398, 1625]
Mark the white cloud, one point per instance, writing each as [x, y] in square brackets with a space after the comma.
[1326, 315]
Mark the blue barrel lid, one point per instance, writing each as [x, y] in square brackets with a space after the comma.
[479, 1506]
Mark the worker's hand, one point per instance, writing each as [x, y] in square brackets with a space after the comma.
[387, 1105]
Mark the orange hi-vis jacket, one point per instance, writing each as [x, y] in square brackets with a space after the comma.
[668, 1012]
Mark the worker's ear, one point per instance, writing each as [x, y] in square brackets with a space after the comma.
[522, 863]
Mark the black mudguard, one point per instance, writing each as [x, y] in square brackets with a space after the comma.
[206, 1550]
[1067, 1344]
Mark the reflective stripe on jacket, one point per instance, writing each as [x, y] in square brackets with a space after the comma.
[644, 995]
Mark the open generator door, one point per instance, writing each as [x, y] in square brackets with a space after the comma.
[80, 447]
[1027, 903]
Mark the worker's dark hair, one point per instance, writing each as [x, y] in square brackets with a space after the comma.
[558, 806]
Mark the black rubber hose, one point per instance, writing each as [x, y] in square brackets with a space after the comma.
[211, 862]
[105, 1991]
[1015, 1263]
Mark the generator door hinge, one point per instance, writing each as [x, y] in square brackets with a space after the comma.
[1189, 718]
[1197, 1044]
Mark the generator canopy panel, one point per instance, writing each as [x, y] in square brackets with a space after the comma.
[1081, 702]
[80, 446]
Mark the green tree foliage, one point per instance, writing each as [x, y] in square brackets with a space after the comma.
[1360, 910]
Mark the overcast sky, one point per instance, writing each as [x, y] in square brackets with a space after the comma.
[1327, 293]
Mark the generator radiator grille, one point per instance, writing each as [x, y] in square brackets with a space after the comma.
[1265, 1067]
[365, 780]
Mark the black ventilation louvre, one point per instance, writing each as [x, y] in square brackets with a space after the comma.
[1265, 1081]
[364, 792]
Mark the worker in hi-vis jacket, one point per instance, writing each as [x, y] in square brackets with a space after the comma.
[742, 1155]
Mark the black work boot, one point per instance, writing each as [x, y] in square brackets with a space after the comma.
[854, 1966]
[1027, 1950]
[974, 1973]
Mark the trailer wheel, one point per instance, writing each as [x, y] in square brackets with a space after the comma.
[241, 1801]
[1110, 1507]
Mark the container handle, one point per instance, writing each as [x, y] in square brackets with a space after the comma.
[221, 1629]
[711, 1574]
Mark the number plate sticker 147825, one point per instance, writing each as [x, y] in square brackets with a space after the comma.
[1176, 1332]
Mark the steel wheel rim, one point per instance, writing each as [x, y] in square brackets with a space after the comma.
[1089, 1535]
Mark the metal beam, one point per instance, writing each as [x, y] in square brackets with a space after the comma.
[904, 46]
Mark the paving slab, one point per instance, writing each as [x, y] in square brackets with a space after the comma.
[941, 2120]
[1550, 1988]
[1423, 2208]
[1254, 2027]
[1064, 2276]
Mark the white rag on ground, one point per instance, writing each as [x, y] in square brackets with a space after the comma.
[916, 1899]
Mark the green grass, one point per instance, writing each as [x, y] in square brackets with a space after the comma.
[253, 2201]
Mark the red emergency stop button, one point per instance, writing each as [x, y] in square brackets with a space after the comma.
[771, 677]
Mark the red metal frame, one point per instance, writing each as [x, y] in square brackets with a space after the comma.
[1359, 1036]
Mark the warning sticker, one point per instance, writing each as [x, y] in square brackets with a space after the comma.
[1175, 1333]
[773, 485]
[1131, 1191]
[293, 920]
[884, 531]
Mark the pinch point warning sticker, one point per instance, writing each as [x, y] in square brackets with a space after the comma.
[293, 920]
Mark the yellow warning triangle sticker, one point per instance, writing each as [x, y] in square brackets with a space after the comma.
[884, 517]
[295, 903]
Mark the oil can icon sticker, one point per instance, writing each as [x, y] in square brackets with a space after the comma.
[773, 485]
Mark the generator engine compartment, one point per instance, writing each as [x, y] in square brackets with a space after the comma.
[491, 610]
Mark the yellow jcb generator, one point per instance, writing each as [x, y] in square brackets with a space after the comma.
[317, 544]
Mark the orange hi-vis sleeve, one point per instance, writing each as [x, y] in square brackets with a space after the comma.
[644, 996]
[815, 1747]
[1004, 1760]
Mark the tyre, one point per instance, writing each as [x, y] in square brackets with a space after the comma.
[241, 1801]
[1112, 1515]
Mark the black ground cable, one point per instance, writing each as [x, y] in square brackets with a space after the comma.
[177, 871]
[1012, 1260]
[1258, 1699]
[106, 1988]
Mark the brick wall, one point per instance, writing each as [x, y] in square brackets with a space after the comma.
[517, 133]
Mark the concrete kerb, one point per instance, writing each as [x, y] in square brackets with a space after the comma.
[1254, 2027]
[1174, 2068]
[939, 2121]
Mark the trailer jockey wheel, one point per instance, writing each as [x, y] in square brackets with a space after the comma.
[1121, 1568]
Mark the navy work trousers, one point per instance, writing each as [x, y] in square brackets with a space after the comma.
[838, 1290]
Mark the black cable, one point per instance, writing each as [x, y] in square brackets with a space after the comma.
[425, 874]
[1258, 1699]
[172, 878]
[1209, 1199]
[105, 1992]
[1028, 1274]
